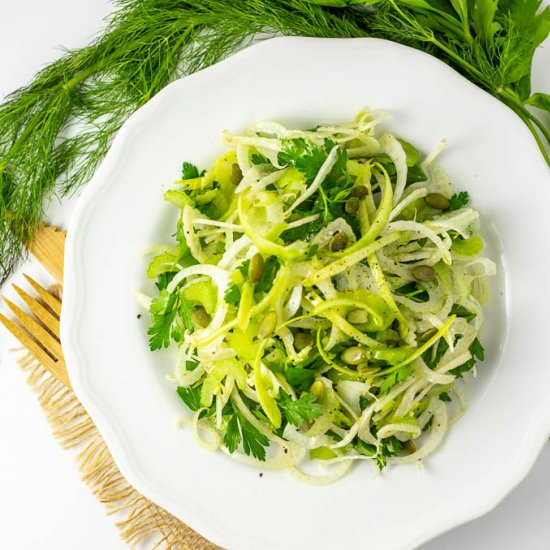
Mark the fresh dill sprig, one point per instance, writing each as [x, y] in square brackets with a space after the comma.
[490, 42]
[56, 130]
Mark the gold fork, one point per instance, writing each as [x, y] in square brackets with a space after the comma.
[39, 332]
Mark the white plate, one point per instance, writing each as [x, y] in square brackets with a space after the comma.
[302, 82]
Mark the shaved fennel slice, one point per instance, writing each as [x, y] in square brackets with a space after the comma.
[338, 472]
[411, 197]
[419, 231]
[391, 146]
[459, 221]
[142, 299]
[437, 432]
[434, 153]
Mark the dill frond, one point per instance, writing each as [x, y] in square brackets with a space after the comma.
[56, 130]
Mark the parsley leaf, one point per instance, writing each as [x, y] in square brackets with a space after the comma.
[302, 374]
[461, 311]
[256, 158]
[185, 309]
[478, 353]
[304, 155]
[233, 294]
[532, 26]
[307, 230]
[189, 171]
[163, 314]
[191, 364]
[170, 314]
[243, 268]
[414, 291]
[164, 279]
[415, 174]
[389, 446]
[397, 376]
[232, 436]
[308, 157]
[271, 267]
[254, 442]
[364, 448]
[477, 350]
[300, 378]
[330, 199]
[191, 397]
[414, 168]
[459, 200]
[301, 410]
[312, 251]
[445, 397]
[431, 357]
[240, 430]
[541, 101]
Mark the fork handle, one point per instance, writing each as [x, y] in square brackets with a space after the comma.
[48, 247]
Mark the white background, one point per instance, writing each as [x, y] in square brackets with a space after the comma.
[43, 503]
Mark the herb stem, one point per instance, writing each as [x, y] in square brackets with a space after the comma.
[429, 36]
[512, 100]
[543, 129]
[526, 117]
[459, 60]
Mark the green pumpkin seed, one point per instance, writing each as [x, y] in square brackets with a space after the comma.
[437, 200]
[200, 318]
[357, 317]
[424, 273]
[317, 389]
[302, 340]
[236, 174]
[360, 192]
[355, 355]
[338, 242]
[352, 206]
[256, 268]
[268, 325]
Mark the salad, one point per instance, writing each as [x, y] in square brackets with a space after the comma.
[325, 294]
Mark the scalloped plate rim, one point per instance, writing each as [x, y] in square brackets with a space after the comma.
[72, 311]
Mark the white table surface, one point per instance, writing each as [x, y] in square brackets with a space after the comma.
[43, 503]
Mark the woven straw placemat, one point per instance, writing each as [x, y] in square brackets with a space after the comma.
[142, 521]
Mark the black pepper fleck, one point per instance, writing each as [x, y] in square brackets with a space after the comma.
[139, 316]
[261, 475]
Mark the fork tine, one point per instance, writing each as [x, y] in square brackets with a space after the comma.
[49, 299]
[56, 368]
[42, 314]
[47, 341]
